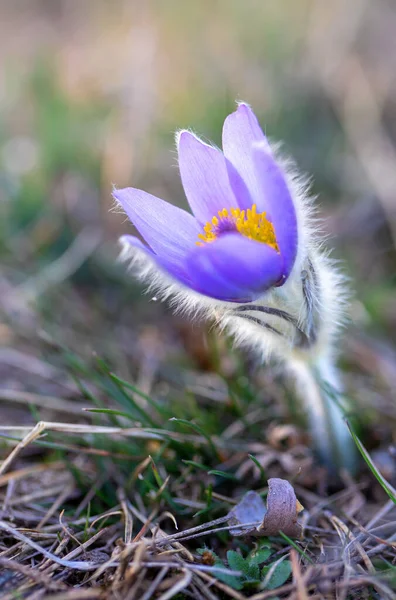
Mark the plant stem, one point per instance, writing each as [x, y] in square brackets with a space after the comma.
[318, 386]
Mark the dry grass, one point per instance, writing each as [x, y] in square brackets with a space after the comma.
[44, 551]
[96, 519]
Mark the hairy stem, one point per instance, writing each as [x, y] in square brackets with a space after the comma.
[303, 340]
[318, 386]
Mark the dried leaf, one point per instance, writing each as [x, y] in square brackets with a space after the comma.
[279, 436]
[247, 514]
[251, 516]
[281, 510]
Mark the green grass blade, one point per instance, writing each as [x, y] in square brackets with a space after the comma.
[199, 430]
[260, 468]
[388, 488]
[296, 547]
[161, 410]
[223, 474]
[111, 411]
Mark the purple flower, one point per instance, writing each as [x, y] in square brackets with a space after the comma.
[242, 239]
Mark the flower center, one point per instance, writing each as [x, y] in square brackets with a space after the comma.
[249, 223]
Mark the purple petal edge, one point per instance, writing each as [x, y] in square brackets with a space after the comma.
[204, 176]
[241, 130]
[171, 268]
[281, 211]
[170, 231]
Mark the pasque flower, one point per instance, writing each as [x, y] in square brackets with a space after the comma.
[249, 256]
[242, 239]
[247, 251]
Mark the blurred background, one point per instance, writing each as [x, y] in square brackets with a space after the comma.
[90, 96]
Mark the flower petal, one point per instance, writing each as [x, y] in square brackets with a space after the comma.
[234, 268]
[174, 269]
[170, 231]
[241, 130]
[204, 176]
[281, 211]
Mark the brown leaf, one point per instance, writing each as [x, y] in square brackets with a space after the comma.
[251, 517]
[282, 510]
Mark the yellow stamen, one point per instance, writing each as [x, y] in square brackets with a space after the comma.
[250, 223]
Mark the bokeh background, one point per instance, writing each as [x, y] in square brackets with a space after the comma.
[91, 93]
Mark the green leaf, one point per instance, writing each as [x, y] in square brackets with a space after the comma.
[251, 584]
[232, 580]
[280, 575]
[259, 556]
[238, 563]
